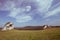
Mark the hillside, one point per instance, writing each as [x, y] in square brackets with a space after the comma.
[48, 34]
[35, 27]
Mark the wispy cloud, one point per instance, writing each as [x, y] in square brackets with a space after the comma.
[44, 5]
[24, 12]
[19, 15]
[15, 11]
[28, 8]
[23, 18]
[53, 12]
[8, 5]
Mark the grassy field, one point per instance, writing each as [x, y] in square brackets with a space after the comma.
[48, 34]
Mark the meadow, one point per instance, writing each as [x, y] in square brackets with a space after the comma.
[47, 34]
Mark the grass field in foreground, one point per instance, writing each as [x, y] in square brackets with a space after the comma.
[48, 34]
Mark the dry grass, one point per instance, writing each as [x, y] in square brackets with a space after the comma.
[48, 34]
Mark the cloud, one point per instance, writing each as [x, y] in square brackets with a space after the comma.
[28, 8]
[54, 6]
[21, 19]
[8, 5]
[53, 12]
[19, 15]
[44, 5]
[20, 11]
[14, 12]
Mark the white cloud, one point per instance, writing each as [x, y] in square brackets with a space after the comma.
[56, 5]
[21, 19]
[44, 5]
[14, 12]
[53, 12]
[8, 5]
[28, 8]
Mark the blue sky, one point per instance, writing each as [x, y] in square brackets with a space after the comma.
[30, 12]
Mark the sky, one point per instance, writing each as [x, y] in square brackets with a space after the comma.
[30, 12]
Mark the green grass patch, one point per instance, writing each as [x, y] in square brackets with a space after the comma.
[48, 34]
